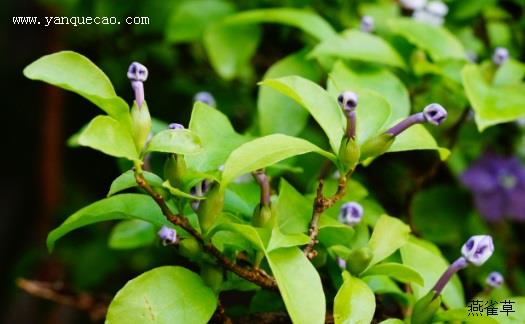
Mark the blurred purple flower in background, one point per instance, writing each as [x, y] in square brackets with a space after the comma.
[498, 185]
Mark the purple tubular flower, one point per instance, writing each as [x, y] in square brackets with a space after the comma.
[367, 24]
[167, 235]
[500, 56]
[351, 213]
[478, 249]
[457, 265]
[433, 113]
[495, 279]
[498, 186]
[348, 101]
[137, 74]
[175, 126]
[341, 263]
[205, 97]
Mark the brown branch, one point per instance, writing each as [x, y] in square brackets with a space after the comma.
[322, 203]
[95, 307]
[257, 276]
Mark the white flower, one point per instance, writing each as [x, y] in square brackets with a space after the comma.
[413, 4]
[478, 249]
[495, 279]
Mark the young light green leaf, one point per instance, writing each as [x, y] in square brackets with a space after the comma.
[323, 107]
[332, 232]
[492, 104]
[417, 137]
[293, 210]
[178, 141]
[123, 206]
[265, 151]
[397, 271]
[218, 138]
[354, 302]
[299, 284]
[389, 235]
[189, 19]
[74, 72]
[275, 110]
[430, 265]
[512, 72]
[281, 240]
[127, 180]
[131, 234]
[109, 136]
[257, 237]
[308, 21]
[163, 295]
[179, 193]
[436, 40]
[361, 46]
[380, 80]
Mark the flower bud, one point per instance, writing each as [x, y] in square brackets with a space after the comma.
[435, 114]
[351, 213]
[137, 74]
[175, 126]
[141, 124]
[478, 249]
[367, 24]
[262, 216]
[495, 279]
[349, 153]
[348, 101]
[205, 97]
[500, 56]
[376, 145]
[210, 208]
[341, 263]
[175, 170]
[167, 235]
[413, 4]
[437, 8]
[428, 18]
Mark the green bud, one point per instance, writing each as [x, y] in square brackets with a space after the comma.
[213, 276]
[349, 153]
[141, 124]
[190, 248]
[262, 216]
[358, 260]
[376, 145]
[210, 208]
[425, 308]
[175, 170]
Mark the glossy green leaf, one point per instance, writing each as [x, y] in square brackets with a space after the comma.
[178, 141]
[264, 151]
[389, 235]
[308, 21]
[332, 232]
[74, 72]
[281, 240]
[123, 206]
[417, 137]
[379, 80]
[423, 257]
[293, 210]
[163, 295]
[230, 47]
[396, 271]
[323, 107]
[512, 72]
[109, 136]
[189, 19]
[492, 104]
[357, 45]
[131, 234]
[218, 138]
[436, 40]
[241, 198]
[127, 180]
[299, 284]
[354, 302]
[248, 232]
[179, 193]
[275, 110]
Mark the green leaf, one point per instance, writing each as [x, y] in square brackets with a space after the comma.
[299, 284]
[379, 80]
[109, 136]
[265, 151]
[354, 302]
[248, 232]
[127, 180]
[308, 21]
[361, 46]
[230, 48]
[389, 235]
[417, 137]
[293, 210]
[163, 295]
[436, 40]
[396, 271]
[332, 232]
[423, 257]
[179, 193]
[178, 141]
[275, 110]
[123, 206]
[492, 104]
[323, 107]
[242, 198]
[189, 19]
[74, 72]
[392, 321]
[217, 136]
[131, 234]
[512, 72]
[281, 240]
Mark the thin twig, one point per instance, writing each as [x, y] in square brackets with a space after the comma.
[257, 276]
